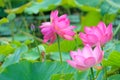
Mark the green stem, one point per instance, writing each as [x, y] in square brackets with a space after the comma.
[12, 30]
[92, 73]
[9, 4]
[76, 43]
[42, 14]
[68, 11]
[25, 33]
[60, 54]
[105, 70]
[116, 30]
[37, 45]
[25, 23]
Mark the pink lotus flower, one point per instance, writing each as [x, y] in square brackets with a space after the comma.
[99, 34]
[57, 25]
[86, 58]
[63, 28]
[48, 32]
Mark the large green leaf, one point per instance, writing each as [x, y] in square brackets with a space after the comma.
[4, 30]
[2, 57]
[108, 18]
[114, 77]
[11, 16]
[15, 57]
[108, 48]
[92, 3]
[19, 9]
[114, 3]
[100, 74]
[65, 46]
[87, 5]
[55, 56]
[113, 45]
[6, 49]
[45, 5]
[34, 53]
[109, 6]
[62, 77]
[22, 37]
[117, 46]
[68, 3]
[113, 59]
[81, 76]
[91, 19]
[39, 71]
[2, 4]
[3, 20]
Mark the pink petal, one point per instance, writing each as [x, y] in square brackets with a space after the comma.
[79, 60]
[53, 38]
[109, 36]
[45, 24]
[72, 63]
[109, 29]
[97, 32]
[90, 43]
[90, 39]
[104, 39]
[54, 15]
[60, 25]
[98, 54]
[88, 30]
[73, 54]
[68, 37]
[87, 51]
[45, 30]
[90, 61]
[48, 32]
[45, 40]
[83, 36]
[81, 67]
[100, 57]
[109, 32]
[68, 32]
[79, 52]
[102, 27]
[63, 17]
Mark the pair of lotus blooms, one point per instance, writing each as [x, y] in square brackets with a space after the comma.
[95, 36]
